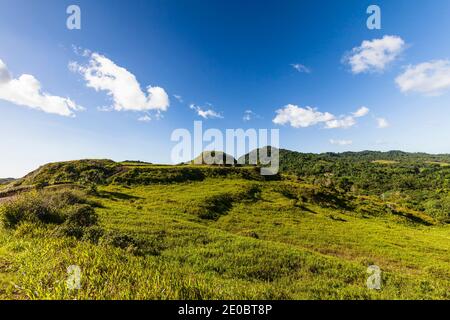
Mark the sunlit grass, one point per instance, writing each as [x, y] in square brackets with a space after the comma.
[269, 246]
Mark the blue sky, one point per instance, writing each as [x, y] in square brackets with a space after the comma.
[226, 57]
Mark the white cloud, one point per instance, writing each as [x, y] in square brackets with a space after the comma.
[343, 123]
[361, 112]
[299, 117]
[102, 74]
[26, 91]
[382, 123]
[341, 142]
[301, 68]
[374, 55]
[429, 78]
[206, 114]
[145, 118]
[5, 76]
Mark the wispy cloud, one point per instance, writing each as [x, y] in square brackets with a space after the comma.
[361, 112]
[26, 91]
[382, 123]
[301, 68]
[105, 108]
[179, 98]
[374, 55]
[249, 115]
[102, 74]
[428, 78]
[145, 118]
[341, 142]
[205, 113]
[299, 117]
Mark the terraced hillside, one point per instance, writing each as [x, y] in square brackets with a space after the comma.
[141, 231]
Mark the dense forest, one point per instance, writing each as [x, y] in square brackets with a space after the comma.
[419, 181]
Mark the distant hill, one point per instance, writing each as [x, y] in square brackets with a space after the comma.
[92, 170]
[258, 156]
[6, 180]
[371, 172]
[287, 157]
[136, 162]
[214, 158]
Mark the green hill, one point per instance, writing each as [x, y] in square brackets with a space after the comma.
[144, 231]
[218, 158]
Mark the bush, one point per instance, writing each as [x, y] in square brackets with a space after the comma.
[66, 208]
[77, 218]
[93, 234]
[29, 207]
[82, 215]
[122, 241]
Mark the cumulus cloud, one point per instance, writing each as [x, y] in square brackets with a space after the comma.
[345, 122]
[374, 55]
[5, 76]
[428, 78]
[205, 113]
[341, 142]
[121, 85]
[26, 91]
[301, 68]
[299, 117]
[382, 123]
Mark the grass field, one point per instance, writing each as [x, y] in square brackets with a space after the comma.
[229, 238]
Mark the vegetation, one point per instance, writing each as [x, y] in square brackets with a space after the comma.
[142, 231]
[5, 180]
[214, 158]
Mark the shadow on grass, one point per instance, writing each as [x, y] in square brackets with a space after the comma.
[112, 195]
[304, 208]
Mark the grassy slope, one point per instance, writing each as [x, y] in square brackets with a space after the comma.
[266, 248]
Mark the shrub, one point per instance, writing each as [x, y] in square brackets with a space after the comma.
[67, 208]
[77, 218]
[82, 215]
[122, 241]
[93, 234]
[29, 207]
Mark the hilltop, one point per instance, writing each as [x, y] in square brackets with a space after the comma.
[214, 158]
